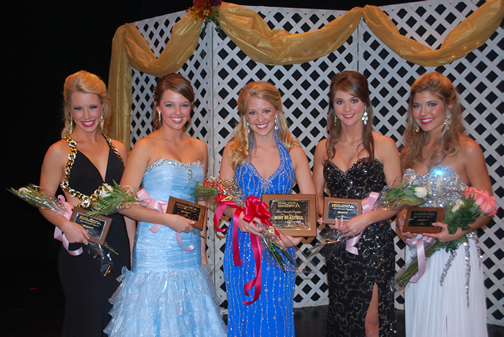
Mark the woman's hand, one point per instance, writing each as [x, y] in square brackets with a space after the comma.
[249, 227]
[178, 223]
[400, 221]
[352, 227]
[337, 223]
[75, 233]
[444, 235]
[290, 241]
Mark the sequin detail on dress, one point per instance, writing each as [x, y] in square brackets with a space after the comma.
[351, 277]
[445, 187]
[272, 314]
[436, 305]
[167, 292]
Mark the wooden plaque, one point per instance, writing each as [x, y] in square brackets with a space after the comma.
[97, 227]
[420, 219]
[341, 208]
[293, 214]
[188, 210]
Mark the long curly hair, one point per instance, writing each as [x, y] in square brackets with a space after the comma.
[241, 138]
[414, 140]
[176, 83]
[85, 82]
[353, 83]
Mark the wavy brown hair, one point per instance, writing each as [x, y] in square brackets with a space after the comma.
[173, 82]
[442, 88]
[241, 139]
[356, 84]
[88, 83]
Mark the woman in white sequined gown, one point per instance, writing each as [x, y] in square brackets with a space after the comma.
[449, 299]
[167, 292]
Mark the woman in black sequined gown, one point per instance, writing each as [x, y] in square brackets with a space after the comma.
[355, 161]
[80, 163]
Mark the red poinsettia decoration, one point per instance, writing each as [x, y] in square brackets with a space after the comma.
[206, 10]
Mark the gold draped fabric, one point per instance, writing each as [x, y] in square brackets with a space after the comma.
[279, 47]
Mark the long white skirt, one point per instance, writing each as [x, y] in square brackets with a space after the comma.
[433, 310]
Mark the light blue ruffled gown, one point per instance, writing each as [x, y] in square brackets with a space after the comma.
[167, 293]
[272, 314]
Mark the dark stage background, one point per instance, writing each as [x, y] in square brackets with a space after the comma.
[45, 41]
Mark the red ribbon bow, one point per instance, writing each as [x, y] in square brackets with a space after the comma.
[254, 208]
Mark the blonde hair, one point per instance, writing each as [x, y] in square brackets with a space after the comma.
[88, 83]
[241, 138]
[441, 87]
[173, 82]
[353, 83]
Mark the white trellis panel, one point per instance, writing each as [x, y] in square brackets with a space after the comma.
[218, 70]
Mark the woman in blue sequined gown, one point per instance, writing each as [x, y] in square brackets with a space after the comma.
[263, 158]
[167, 292]
[438, 156]
[353, 162]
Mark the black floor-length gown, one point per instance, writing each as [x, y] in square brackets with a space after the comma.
[86, 290]
[351, 277]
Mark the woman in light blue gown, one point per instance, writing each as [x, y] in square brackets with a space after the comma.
[167, 292]
[263, 158]
[449, 299]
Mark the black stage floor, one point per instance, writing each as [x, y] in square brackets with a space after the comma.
[32, 304]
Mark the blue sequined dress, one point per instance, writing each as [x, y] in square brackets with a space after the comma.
[456, 308]
[167, 292]
[272, 314]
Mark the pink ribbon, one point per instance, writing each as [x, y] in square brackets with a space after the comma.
[160, 206]
[58, 233]
[419, 243]
[367, 206]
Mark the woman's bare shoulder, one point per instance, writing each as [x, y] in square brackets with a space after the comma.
[58, 149]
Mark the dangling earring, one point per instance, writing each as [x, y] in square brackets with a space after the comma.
[365, 117]
[447, 120]
[160, 120]
[102, 122]
[71, 124]
[276, 123]
[417, 128]
[248, 127]
[335, 120]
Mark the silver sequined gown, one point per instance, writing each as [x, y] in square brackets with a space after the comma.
[351, 277]
[439, 310]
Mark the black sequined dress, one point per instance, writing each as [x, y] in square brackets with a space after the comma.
[351, 277]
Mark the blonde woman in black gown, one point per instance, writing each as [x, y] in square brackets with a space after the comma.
[353, 162]
[80, 163]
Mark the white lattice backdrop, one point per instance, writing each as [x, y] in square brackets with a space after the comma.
[218, 70]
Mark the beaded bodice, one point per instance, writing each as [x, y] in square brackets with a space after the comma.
[442, 183]
[362, 178]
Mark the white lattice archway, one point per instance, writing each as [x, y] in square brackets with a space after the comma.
[218, 70]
